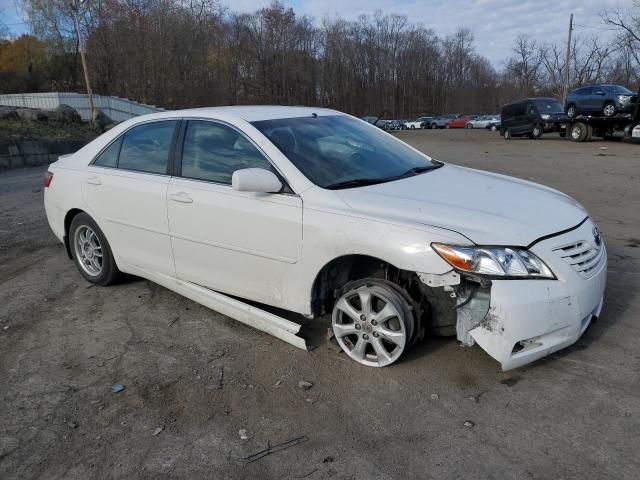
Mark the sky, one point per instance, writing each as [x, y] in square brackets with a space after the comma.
[495, 23]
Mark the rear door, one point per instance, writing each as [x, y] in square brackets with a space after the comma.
[240, 243]
[596, 99]
[125, 188]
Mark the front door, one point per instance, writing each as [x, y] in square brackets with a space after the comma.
[125, 189]
[239, 243]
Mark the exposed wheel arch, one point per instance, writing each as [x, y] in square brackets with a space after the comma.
[68, 218]
[342, 270]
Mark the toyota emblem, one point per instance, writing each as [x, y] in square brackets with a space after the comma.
[597, 237]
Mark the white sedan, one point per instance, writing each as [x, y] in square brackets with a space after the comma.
[316, 212]
[483, 121]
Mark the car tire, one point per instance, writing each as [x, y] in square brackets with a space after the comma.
[469, 125]
[537, 132]
[360, 332]
[91, 251]
[578, 132]
[447, 126]
[413, 127]
[434, 126]
[507, 134]
[571, 110]
[609, 109]
[493, 128]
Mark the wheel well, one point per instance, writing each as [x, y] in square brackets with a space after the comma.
[338, 272]
[68, 218]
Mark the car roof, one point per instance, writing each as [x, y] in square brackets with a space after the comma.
[249, 113]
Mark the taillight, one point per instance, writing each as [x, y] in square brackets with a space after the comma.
[48, 178]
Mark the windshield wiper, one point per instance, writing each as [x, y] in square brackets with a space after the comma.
[418, 170]
[356, 182]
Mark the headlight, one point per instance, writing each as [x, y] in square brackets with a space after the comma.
[545, 116]
[494, 261]
[624, 98]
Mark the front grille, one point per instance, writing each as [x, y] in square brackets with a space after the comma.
[583, 257]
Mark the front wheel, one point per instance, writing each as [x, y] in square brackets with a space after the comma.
[507, 134]
[469, 125]
[494, 128]
[91, 251]
[434, 126]
[537, 132]
[571, 111]
[373, 322]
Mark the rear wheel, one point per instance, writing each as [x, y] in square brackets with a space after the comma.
[434, 126]
[609, 109]
[507, 134]
[579, 132]
[373, 322]
[469, 125]
[447, 126]
[413, 127]
[91, 251]
[494, 128]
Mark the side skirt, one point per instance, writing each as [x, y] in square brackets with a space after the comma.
[259, 319]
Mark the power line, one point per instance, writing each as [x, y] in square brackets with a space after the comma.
[596, 27]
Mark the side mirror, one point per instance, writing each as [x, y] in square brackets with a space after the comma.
[257, 180]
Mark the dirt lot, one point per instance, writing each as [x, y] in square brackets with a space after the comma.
[202, 378]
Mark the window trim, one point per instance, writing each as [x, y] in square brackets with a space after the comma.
[170, 162]
[286, 186]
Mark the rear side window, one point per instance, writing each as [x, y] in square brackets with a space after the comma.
[109, 156]
[146, 148]
[213, 151]
[520, 109]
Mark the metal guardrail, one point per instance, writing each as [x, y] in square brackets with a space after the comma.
[117, 108]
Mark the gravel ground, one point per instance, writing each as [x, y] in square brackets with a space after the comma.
[203, 393]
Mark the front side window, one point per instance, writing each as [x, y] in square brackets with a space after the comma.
[213, 151]
[618, 90]
[337, 151]
[147, 147]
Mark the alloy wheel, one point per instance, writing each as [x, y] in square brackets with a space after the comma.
[369, 326]
[88, 250]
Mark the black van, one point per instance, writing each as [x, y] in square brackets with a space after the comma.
[532, 117]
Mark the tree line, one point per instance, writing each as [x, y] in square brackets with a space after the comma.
[183, 53]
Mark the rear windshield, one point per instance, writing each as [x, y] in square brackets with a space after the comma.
[548, 105]
[618, 90]
[332, 151]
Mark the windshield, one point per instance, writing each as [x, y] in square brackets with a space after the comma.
[618, 90]
[548, 105]
[338, 151]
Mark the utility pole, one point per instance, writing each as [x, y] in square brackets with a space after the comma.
[566, 65]
[74, 8]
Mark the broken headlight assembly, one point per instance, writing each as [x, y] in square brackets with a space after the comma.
[507, 262]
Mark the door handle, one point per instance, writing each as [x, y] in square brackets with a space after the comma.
[181, 197]
[94, 181]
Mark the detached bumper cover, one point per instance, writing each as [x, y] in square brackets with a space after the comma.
[530, 319]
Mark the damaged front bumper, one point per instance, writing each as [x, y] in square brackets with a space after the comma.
[529, 319]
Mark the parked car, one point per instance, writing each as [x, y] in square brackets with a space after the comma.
[420, 122]
[494, 125]
[459, 122]
[483, 121]
[532, 117]
[606, 100]
[441, 121]
[316, 212]
[393, 125]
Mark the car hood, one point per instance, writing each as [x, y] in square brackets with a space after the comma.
[487, 208]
